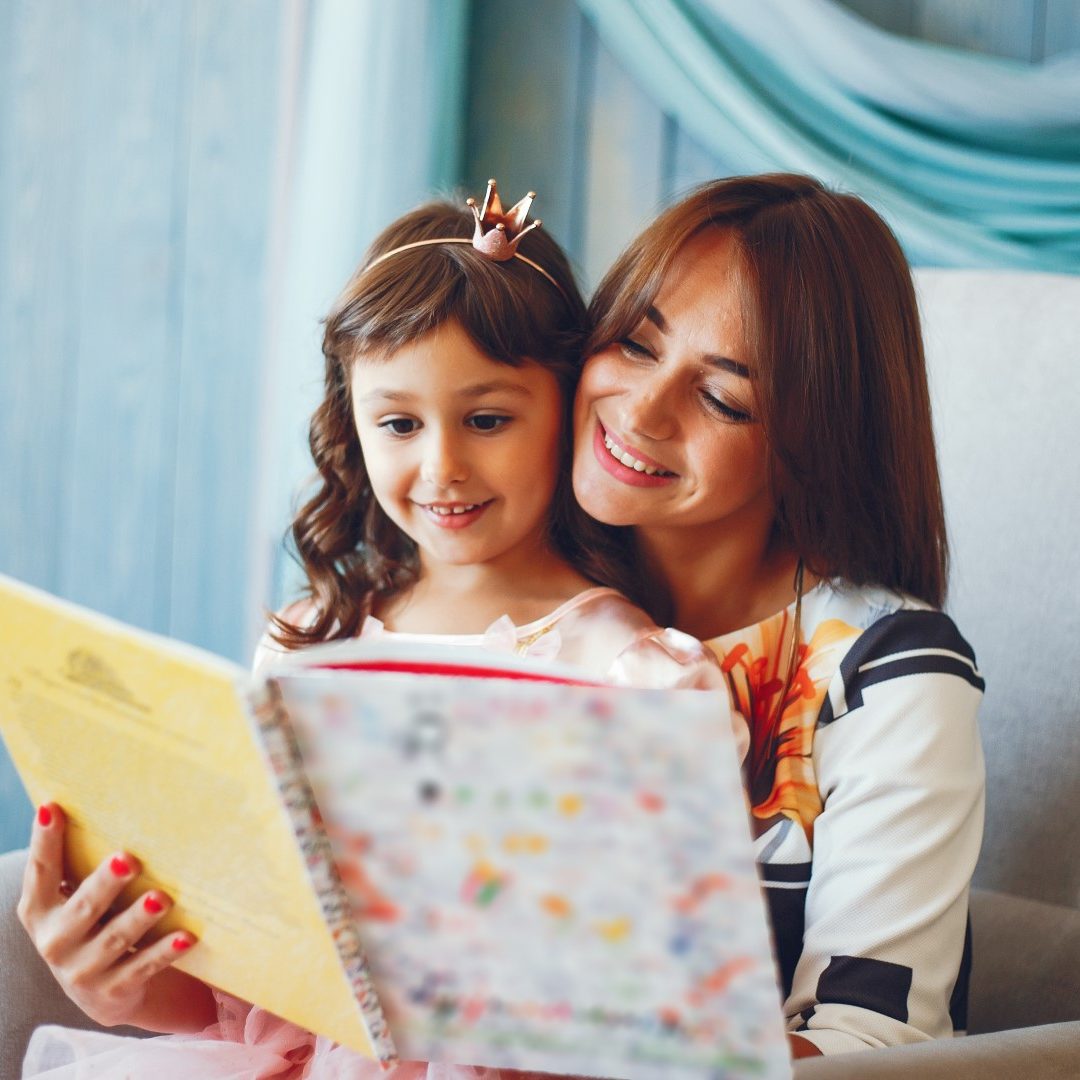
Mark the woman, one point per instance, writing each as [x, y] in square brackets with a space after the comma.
[755, 404]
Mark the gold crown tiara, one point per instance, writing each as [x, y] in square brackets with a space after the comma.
[496, 235]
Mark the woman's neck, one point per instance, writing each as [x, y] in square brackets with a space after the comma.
[721, 580]
[467, 599]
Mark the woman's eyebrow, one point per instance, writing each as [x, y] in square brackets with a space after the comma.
[727, 364]
[652, 313]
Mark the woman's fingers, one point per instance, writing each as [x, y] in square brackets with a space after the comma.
[44, 865]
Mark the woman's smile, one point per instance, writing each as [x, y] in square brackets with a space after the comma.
[629, 465]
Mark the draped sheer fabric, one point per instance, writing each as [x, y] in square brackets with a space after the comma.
[975, 160]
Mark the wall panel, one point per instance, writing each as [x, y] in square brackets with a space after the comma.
[1061, 27]
[127, 307]
[623, 168]
[527, 109]
[217, 391]
[136, 145]
[40, 183]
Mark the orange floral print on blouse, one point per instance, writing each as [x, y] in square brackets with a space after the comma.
[779, 766]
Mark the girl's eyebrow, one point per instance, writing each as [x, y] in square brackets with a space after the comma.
[495, 386]
[474, 390]
[725, 363]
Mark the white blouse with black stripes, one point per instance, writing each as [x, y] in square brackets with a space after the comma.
[867, 790]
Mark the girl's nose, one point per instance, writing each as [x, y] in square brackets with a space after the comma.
[443, 464]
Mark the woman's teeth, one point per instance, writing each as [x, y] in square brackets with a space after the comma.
[629, 460]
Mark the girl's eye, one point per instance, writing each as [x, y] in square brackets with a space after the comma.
[488, 421]
[399, 425]
[721, 408]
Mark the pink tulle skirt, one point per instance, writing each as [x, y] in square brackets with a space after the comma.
[245, 1044]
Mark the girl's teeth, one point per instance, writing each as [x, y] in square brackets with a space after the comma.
[447, 511]
[628, 460]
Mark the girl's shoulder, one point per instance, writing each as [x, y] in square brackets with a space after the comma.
[629, 648]
[300, 613]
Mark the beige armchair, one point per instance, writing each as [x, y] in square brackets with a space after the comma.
[1004, 351]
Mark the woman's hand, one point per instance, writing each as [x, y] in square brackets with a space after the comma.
[95, 956]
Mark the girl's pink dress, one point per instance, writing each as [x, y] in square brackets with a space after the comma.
[599, 631]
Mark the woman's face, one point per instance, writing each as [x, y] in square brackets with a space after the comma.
[665, 427]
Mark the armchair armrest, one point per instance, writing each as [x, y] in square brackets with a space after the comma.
[1050, 1052]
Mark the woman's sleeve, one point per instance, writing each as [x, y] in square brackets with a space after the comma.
[668, 659]
[900, 768]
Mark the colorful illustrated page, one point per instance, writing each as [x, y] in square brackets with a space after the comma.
[545, 876]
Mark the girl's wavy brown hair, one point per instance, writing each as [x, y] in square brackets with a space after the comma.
[354, 556]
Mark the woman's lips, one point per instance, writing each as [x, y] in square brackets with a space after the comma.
[622, 472]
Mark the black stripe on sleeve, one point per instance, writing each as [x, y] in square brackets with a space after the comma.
[958, 1004]
[865, 983]
[798, 872]
[902, 632]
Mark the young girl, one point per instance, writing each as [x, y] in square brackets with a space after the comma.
[443, 512]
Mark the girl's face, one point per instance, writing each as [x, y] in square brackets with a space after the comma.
[665, 426]
[461, 450]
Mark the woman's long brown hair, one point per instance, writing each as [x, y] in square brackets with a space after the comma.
[842, 390]
[352, 553]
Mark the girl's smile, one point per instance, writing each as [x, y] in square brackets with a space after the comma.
[455, 515]
[461, 450]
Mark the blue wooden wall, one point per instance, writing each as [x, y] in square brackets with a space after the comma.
[141, 158]
[137, 147]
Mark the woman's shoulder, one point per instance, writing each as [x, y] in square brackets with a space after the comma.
[896, 647]
[888, 627]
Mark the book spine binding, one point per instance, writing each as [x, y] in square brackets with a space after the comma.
[283, 754]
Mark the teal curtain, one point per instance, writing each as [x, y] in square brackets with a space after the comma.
[975, 160]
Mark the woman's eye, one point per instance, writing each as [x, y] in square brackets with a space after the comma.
[634, 349]
[721, 408]
[399, 425]
[488, 421]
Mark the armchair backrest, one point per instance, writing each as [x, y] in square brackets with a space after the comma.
[1004, 355]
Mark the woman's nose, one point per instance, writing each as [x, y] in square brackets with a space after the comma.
[648, 410]
[443, 464]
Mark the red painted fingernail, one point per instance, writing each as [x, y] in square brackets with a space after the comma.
[153, 905]
[120, 867]
[44, 816]
[181, 943]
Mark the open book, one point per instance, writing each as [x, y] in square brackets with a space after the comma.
[424, 853]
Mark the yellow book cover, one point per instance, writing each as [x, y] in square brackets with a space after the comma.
[164, 750]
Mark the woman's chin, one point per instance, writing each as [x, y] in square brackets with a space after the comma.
[600, 499]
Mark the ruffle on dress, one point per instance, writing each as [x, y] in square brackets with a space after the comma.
[247, 1043]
